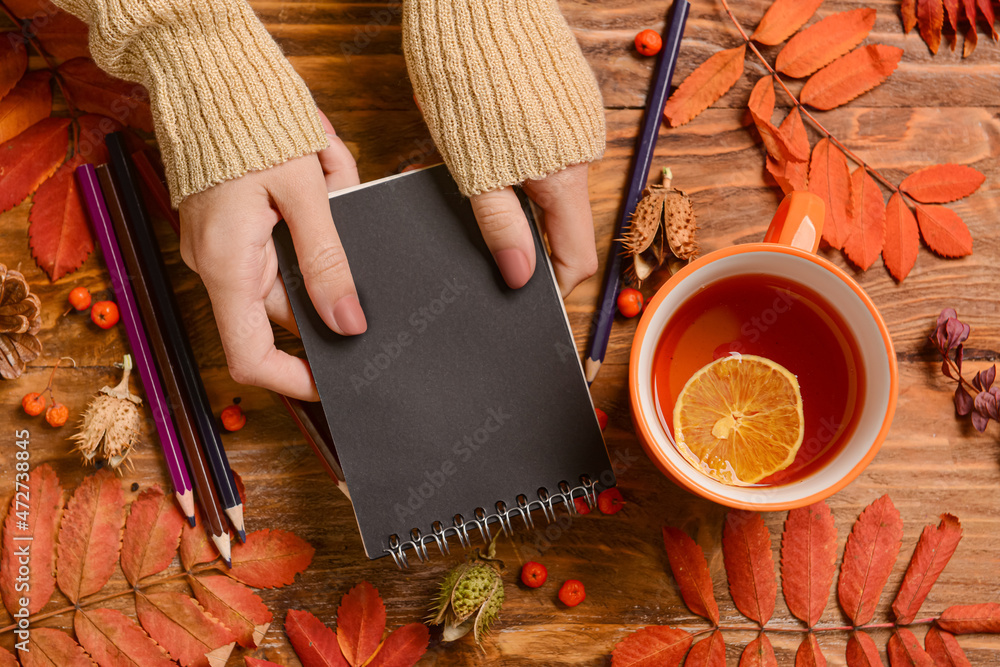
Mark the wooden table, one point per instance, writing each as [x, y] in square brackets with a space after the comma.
[932, 110]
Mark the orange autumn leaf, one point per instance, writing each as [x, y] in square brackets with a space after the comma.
[904, 649]
[866, 235]
[782, 19]
[96, 91]
[952, 12]
[869, 556]
[706, 84]
[761, 102]
[112, 638]
[27, 160]
[944, 648]
[908, 9]
[930, 18]
[934, 549]
[971, 618]
[942, 183]
[403, 647]
[257, 662]
[986, 7]
[902, 240]
[29, 9]
[27, 103]
[779, 145]
[848, 77]
[687, 563]
[709, 652]
[152, 533]
[652, 646]
[7, 659]
[270, 558]
[808, 561]
[62, 35]
[234, 605]
[360, 623]
[825, 41]
[179, 624]
[196, 547]
[90, 535]
[746, 550]
[830, 179]
[791, 175]
[971, 36]
[861, 651]
[58, 233]
[33, 514]
[759, 653]
[809, 653]
[314, 643]
[49, 647]
[13, 62]
[943, 231]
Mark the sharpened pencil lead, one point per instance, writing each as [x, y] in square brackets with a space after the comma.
[223, 547]
[192, 521]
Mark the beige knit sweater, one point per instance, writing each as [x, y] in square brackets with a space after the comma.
[502, 84]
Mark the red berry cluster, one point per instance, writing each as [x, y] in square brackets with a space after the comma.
[103, 313]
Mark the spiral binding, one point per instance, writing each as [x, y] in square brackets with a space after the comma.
[464, 529]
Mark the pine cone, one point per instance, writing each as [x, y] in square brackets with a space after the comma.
[20, 320]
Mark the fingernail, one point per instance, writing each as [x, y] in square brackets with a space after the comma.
[514, 266]
[349, 317]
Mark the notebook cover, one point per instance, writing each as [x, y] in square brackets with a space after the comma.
[462, 392]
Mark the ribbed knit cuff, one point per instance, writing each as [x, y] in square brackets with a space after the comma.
[225, 101]
[504, 88]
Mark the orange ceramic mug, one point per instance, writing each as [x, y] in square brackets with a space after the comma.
[789, 252]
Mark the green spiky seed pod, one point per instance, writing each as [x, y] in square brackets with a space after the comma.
[470, 598]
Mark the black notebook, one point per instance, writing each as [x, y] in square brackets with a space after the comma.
[463, 407]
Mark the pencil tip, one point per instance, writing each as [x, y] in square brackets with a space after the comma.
[242, 536]
[192, 521]
[223, 547]
[235, 515]
[590, 367]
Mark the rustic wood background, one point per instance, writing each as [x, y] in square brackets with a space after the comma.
[932, 110]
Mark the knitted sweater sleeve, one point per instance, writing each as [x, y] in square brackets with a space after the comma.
[225, 101]
[504, 89]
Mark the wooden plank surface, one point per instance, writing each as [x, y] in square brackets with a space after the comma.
[933, 109]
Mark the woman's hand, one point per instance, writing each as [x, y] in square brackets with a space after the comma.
[226, 239]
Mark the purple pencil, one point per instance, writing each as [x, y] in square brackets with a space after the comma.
[86, 176]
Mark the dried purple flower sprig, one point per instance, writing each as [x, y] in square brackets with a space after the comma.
[984, 401]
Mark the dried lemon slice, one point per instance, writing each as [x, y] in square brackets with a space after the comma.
[739, 419]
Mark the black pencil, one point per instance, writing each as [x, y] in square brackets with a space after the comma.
[162, 298]
[205, 494]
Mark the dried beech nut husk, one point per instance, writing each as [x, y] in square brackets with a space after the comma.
[20, 320]
[663, 219]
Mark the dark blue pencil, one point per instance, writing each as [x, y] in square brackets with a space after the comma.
[645, 145]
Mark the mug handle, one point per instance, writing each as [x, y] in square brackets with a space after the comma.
[798, 221]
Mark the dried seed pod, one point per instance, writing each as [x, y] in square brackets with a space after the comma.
[663, 218]
[20, 321]
[111, 423]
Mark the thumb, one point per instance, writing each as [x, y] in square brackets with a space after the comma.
[506, 232]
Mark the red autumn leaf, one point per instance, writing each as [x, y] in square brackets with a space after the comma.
[196, 546]
[90, 535]
[27, 103]
[934, 549]
[866, 235]
[152, 532]
[58, 233]
[759, 653]
[869, 555]
[49, 647]
[825, 41]
[809, 653]
[782, 19]
[952, 12]
[360, 623]
[687, 563]
[848, 77]
[270, 558]
[942, 183]
[33, 514]
[652, 646]
[964, 619]
[930, 18]
[94, 90]
[904, 650]
[236, 606]
[862, 652]
[257, 662]
[830, 179]
[13, 62]
[944, 649]
[778, 144]
[746, 550]
[28, 9]
[709, 652]
[314, 643]
[403, 647]
[902, 240]
[112, 638]
[944, 231]
[986, 7]
[7, 659]
[62, 35]
[791, 175]
[908, 9]
[180, 625]
[30, 158]
[706, 84]
[90, 142]
[971, 36]
[808, 561]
